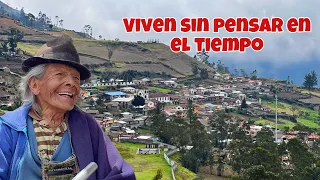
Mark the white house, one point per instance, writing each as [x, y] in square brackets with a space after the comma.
[161, 97]
[170, 83]
[128, 89]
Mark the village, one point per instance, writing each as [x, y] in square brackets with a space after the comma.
[123, 108]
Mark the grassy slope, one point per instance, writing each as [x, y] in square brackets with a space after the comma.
[145, 166]
[176, 64]
[30, 48]
[309, 121]
[163, 90]
[181, 172]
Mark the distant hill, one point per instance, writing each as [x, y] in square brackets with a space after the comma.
[150, 57]
[9, 11]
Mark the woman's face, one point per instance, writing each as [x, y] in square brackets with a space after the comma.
[58, 88]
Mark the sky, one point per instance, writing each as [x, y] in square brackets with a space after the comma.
[282, 51]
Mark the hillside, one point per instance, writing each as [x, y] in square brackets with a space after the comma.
[151, 57]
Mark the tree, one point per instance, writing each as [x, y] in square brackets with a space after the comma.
[31, 18]
[293, 109]
[158, 175]
[180, 135]
[244, 103]
[203, 56]
[236, 72]
[258, 172]
[310, 80]
[219, 124]
[110, 51]
[190, 113]
[243, 73]
[220, 67]
[138, 101]
[253, 75]
[87, 30]
[57, 20]
[4, 46]
[22, 16]
[194, 68]
[288, 80]
[300, 157]
[61, 23]
[14, 36]
[204, 73]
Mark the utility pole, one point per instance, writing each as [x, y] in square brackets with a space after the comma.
[276, 133]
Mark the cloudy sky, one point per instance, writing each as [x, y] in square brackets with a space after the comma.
[105, 17]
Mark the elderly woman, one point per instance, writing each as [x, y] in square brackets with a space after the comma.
[49, 137]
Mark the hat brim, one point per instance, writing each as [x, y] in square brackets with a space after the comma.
[34, 61]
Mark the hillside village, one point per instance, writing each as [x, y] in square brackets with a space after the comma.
[175, 109]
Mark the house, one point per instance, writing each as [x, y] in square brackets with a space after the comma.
[128, 89]
[161, 97]
[156, 81]
[126, 115]
[180, 108]
[192, 91]
[227, 86]
[171, 83]
[242, 96]
[235, 94]
[92, 112]
[238, 102]
[266, 109]
[146, 81]
[113, 95]
[201, 90]
[151, 103]
[113, 107]
[5, 96]
[84, 94]
[254, 129]
[216, 76]
[313, 137]
[85, 106]
[239, 79]
[124, 102]
[226, 76]
[286, 138]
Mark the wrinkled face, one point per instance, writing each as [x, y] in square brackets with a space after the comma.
[58, 88]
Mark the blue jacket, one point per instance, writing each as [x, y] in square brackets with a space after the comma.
[89, 142]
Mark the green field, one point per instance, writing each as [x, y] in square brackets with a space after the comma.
[145, 166]
[283, 123]
[306, 116]
[31, 48]
[309, 92]
[163, 90]
[260, 121]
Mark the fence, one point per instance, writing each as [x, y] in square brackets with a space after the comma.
[172, 163]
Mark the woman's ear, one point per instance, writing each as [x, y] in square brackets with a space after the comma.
[34, 86]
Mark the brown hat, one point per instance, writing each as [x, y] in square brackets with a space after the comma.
[61, 51]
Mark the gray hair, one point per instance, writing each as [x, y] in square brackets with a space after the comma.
[26, 94]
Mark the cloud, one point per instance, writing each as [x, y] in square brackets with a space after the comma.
[105, 17]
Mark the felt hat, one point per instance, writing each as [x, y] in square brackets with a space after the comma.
[59, 50]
